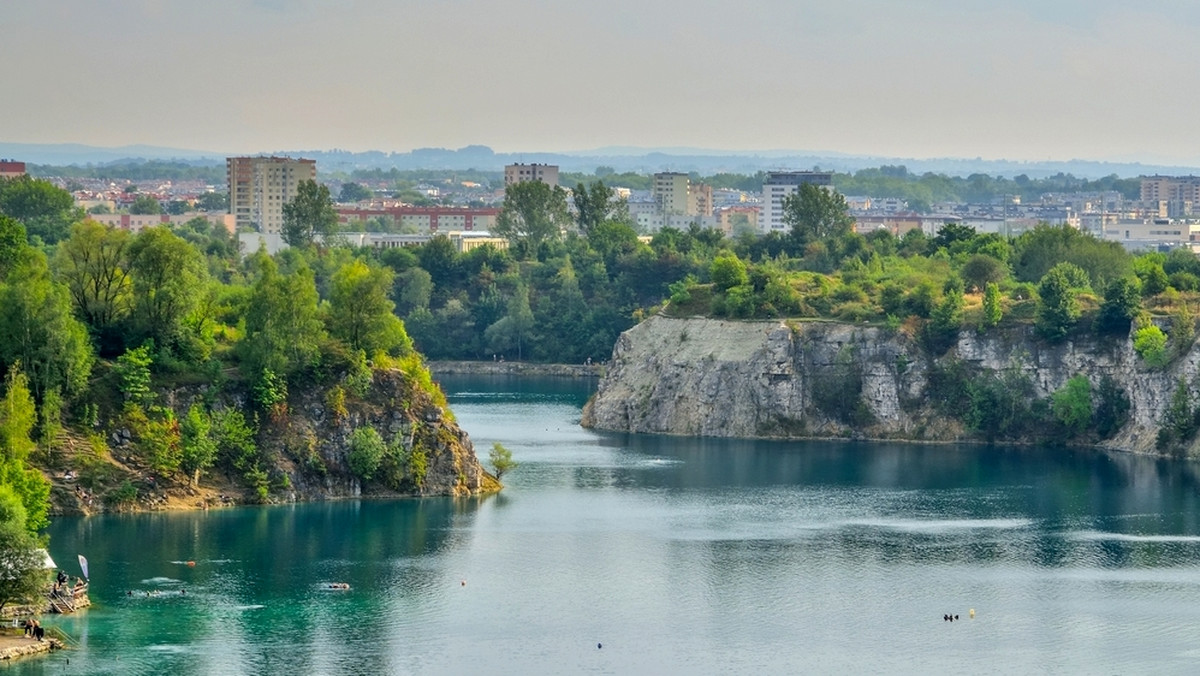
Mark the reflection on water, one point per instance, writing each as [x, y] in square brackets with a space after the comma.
[679, 555]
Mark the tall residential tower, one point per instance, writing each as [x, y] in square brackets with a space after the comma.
[260, 186]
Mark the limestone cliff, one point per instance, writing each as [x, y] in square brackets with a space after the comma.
[711, 377]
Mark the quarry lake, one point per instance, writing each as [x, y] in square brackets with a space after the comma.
[614, 554]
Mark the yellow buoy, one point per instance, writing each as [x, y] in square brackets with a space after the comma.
[972, 613]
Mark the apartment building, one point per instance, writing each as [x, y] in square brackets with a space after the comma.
[136, 223]
[260, 186]
[517, 173]
[424, 219]
[11, 168]
[780, 184]
[669, 190]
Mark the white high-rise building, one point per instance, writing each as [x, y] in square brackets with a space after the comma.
[260, 186]
[780, 184]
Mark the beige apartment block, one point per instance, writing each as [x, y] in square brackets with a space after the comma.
[518, 173]
[260, 186]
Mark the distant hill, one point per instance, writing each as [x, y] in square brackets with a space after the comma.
[620, 158]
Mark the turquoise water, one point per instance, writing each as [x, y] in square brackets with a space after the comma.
[677, 555]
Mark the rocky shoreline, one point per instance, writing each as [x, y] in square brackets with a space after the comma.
[13, 647]
[516, 368]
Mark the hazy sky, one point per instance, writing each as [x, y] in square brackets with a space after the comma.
[1016, 79]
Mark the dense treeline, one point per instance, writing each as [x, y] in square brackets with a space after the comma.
[95, 321]
[208, 171]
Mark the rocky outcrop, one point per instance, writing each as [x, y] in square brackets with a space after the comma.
[711, 377]
[312, 444]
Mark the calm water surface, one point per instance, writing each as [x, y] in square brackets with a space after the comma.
[678, 555]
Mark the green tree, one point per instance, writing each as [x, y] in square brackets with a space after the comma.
[1153, 277]
[981, 270]
[515, 329]
[992, 311]
[199, 448]
[213, 201]
[133, 373]
[284, 330]
[354, 192]
[1150, 343]
[17, 418]
[94, 264]
[1072, 405]
[12, 241]
[46, 210]
[360, 312]
[813, 212]
[22, 578]
[367, 449]
[167, 276]
[38, 330]
[728, 271]
[596, 204]
[1122, 301]
[145, 205]
[1057, 310]
[533, 212]
[501, 458]
[309, 215]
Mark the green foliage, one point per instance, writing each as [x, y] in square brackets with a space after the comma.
[1112, 408]
[981, 270]
[946, 320]
[235, 440]
[1058, 310]
[1037, 251]
[133, 374]
[1122, 301]
[813, 213]
[533, 212]
[418, 466]
[22, 578]
[1179, 421]
[270, 390]
[199, 448]
[45, 210]
[17, 418]
[123, 495]
[728, 271]
[308, 215]
[94, 265]
[1151, 274]
[284, 330]
[157, 438]
[501, 458]
[360, 312]
[354, 192]
[366, 452]
[38, 330]
[1150, 343]
[1072, 405]
[145, 204]
[992, 310]
[168, 275]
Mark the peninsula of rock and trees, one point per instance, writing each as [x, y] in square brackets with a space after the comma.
[168, 367]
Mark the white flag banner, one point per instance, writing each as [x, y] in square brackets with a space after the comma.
[83, 567]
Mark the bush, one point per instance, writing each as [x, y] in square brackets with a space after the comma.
[1072, 405]
[1150, 343]
[366, 452]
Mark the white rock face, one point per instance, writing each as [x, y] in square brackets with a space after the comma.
[709, 377]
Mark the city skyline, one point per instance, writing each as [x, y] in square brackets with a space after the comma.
[1018, 80]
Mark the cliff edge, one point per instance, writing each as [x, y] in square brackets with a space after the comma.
[783, 379]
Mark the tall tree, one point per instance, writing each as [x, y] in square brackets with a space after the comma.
[145, 205]
[533, 212]
[597, 203]
[94, 264]
[168, 276]
[38, 330]
[813, 213]
[360, 312]
[46, 210]
[309, 214]
[1057, 308]
[17, 418]
[283, 323]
